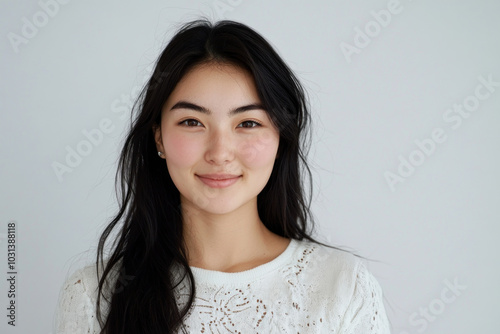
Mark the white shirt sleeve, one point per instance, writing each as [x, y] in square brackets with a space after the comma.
[75, 313]
[366, 313]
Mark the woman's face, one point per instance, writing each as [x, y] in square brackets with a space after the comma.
[213, 127]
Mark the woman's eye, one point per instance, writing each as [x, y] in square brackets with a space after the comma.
[190, 122]
[194, 123]
[250, 124]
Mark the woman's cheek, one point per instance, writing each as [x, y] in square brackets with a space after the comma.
[182, 150]
[259, 151]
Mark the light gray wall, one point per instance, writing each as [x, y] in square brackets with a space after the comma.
[373, 98]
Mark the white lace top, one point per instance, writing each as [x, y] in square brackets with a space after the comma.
[309, 288]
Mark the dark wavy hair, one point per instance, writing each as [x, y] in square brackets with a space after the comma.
[149, 243]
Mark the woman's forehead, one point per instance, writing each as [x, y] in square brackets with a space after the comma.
[215, 85]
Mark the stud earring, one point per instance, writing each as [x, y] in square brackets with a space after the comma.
[160, 154]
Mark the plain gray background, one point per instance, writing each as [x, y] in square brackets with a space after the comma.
[437, 226]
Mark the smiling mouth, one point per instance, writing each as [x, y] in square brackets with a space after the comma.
[219, 183]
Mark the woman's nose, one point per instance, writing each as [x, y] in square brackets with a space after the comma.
[220, 148]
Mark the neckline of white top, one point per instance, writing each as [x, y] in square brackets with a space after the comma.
[219, 277]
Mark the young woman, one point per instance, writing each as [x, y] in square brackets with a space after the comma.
[216, 228]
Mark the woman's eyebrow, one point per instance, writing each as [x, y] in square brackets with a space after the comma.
[192, 106]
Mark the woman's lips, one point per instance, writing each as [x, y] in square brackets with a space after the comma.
[219, 183]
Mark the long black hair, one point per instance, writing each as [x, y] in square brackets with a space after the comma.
[149, 243]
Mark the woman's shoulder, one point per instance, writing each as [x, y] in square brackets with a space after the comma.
[76, 307]
[333, 269]
[326, 258]
[354, 293]
[86, 278]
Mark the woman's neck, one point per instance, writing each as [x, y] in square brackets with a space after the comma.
[230, 242]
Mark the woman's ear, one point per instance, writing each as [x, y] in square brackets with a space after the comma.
[157, 136]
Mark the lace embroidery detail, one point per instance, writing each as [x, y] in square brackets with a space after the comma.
[371, 288]
[224, 309]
